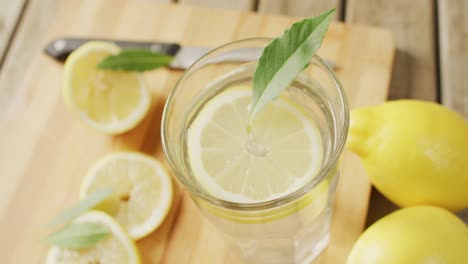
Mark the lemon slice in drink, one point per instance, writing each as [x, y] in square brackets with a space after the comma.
[110, 101]
[116, 248]
[141, 190]
[282, 152]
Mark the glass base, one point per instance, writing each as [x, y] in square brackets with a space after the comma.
[311, 255]
[298, 238]
[302, 248]
[280, 253]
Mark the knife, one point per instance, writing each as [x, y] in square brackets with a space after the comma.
[184, 56]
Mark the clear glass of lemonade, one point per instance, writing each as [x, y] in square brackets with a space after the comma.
[269, 188]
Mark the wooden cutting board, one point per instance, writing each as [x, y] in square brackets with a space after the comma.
[45, 150]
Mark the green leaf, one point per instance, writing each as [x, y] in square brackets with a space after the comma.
[84, 205]
[78, 235]
[135, 60]
[285, 57]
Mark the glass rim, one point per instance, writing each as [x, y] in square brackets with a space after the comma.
[264, 205]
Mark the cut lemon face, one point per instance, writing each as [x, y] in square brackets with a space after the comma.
[110, 101]
[282, 152]
[117, 248]
[141, 190]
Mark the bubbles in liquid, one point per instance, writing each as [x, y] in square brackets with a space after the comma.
[254, 148]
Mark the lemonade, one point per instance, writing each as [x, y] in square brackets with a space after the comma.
[281, 152]
[269, 188]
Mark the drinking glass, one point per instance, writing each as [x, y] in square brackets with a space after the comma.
[293, 228]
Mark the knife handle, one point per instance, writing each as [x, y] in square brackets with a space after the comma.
[62, 47]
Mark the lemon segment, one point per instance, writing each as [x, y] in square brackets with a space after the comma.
[141, 190]
[110, 101]
[117, 248]
[282, 152]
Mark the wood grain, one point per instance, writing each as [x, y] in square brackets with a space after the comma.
[236, 4]
[10, 14]
[46, 150]
[414, 71]
[28, 43]
[412, 23]
[453, 40]
[300, 8]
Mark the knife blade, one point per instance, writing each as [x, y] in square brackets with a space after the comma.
[184, 56]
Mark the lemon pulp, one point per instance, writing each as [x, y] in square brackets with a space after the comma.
[281, 153]
[110, 101]
[117, 248]
[141, 190]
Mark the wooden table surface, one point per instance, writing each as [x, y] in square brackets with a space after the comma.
[430, 64]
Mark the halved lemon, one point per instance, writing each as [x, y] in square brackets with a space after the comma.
[117, 248]
[141, 190]
[110, 101]
[281, 153]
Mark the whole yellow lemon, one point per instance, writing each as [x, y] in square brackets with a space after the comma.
[414, 152]
[414, 235]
